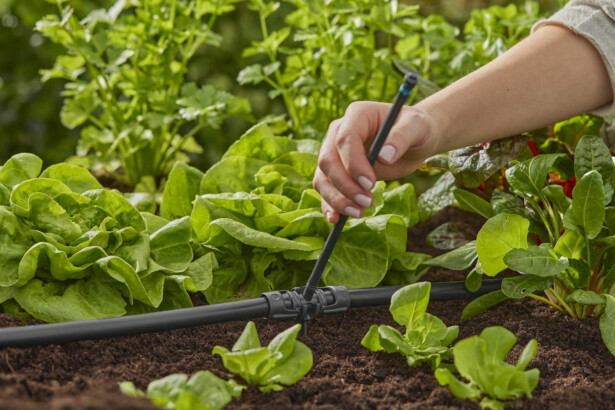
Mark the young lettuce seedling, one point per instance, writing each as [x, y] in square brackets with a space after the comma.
[283, 362]
[426, 338]
[204, 390]
[480, 359]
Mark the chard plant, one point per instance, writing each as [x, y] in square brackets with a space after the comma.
[256, 211]
[481, 361]
[283, 362]
[553, 224]
[203, 390]
[126, 89]
[72, 250]
[426, 339]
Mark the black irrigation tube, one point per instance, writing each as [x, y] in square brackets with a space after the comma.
[271, 305]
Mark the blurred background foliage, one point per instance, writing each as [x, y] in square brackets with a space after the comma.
[29, 109]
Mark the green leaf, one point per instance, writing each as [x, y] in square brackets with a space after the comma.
[473, 165]
[409, 304]
[473, 203]
[474, 280]
[528, 353]
[520, 286]
[372, 339]
[170, 248]
[591, 153]
[248, 339]
[536, 260]
[555, 194]
[181, 189]
[529, 177]
[482, 303]
[607, 324]
[20, 168]
[570, 245]
[76, 110]
[118, 207]
[497, 237]
[143, 201]
[587, 211]
[82, 300]
[78, 179]
[457, 259]
[438, 197]
[459, 389]
[585, 297]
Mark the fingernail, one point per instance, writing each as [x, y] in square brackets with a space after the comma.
[363, 200]
[328, 215]
[365, 183]
[387, 153]
[352, 211]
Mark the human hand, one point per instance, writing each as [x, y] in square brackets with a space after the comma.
[344, 176]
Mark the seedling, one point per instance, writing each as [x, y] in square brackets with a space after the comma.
[283, 362]
[480, 360]
[426, 338]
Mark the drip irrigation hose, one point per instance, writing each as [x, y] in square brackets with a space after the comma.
[271, 305]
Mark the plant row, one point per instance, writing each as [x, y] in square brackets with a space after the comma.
[481, 360]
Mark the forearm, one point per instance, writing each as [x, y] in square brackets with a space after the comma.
[550, 76]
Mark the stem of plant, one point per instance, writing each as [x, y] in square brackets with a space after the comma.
[547, 301]
[561, 301]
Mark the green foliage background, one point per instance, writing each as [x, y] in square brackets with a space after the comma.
[29, 110]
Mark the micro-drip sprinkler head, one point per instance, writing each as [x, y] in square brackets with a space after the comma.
[410, 81]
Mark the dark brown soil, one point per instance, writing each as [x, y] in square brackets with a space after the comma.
[576, 369]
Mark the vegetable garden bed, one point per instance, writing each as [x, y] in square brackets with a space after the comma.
[576, 369]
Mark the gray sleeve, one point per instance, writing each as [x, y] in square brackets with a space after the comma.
[594, 20]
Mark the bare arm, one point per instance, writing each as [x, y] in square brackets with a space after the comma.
[550, 76]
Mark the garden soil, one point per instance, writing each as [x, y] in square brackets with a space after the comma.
[576, 369]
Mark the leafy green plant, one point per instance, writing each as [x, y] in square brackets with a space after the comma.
[426, 338]
[256, 211]
[480, 360]
[283, 362]
[73, 250]
[126, 70]
[203, 391]
[329, 54]
[554, 226]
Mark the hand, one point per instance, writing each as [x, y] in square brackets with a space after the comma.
[344, 176]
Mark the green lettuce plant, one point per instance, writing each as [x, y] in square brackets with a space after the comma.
[202, 391]
[481, 361]
[257, 212]
[72, 250]
[426, 339]
[283, 362]
[125, 69]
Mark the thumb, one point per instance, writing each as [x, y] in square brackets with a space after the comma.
[409, 137]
